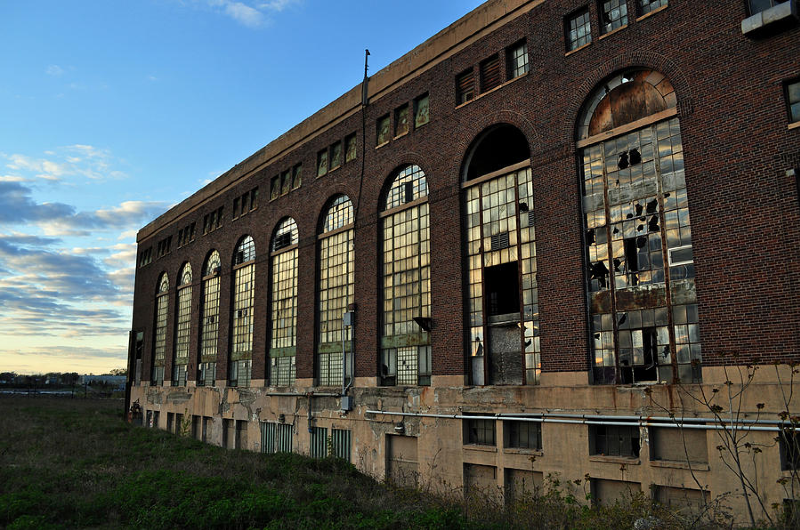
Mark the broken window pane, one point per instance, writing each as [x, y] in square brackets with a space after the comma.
[421, 111]
[322, 162]
[614, 14]
[160, 346]
[579, 30]
[382, 128]
[401, 120]
[646, 6]
[283, 304]
[209, 318]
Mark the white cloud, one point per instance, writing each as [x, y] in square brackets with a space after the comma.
[54, 70]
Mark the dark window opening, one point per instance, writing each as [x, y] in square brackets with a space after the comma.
[522, 434]
[500, 147]
[614, 440]
[479, 432]
[790, 449]
[282, 241]
[502, 288]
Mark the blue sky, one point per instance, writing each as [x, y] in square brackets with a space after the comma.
[112, 111]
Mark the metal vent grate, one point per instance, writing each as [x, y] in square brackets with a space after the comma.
[500, 241]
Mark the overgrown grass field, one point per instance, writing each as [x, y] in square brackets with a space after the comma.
[74, 463]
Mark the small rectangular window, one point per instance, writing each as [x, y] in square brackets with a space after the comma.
[479, 432]
[297, 176]
[614, 440]
[647, 6]
[490, 73]
[382, 130]
[465, 86]
[253, 200]
[322, 162]
[522, 434]
[275, 188]
[579, 29]
[350, 148]
[235, 207]
[517, 59]
[336, 155]
[790, 449]
[401, 120]
[793, 100]
[286, 182]
[613, 14]
[421, 111]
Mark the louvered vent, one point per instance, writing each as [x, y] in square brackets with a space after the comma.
[500, 241]
[465, 87]
[490, 73]
[530, 218]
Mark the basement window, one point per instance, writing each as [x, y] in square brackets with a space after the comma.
[479, 432]
[614, 440]
[522, 435]
[578, 29]
[465, 86]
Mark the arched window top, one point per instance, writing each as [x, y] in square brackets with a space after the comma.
[213, 264]
[625, 98]
[186, 275]
[163, 283]
[409, 184]
[498, 147]
[245, 251]
[339, 214]
[285, 235]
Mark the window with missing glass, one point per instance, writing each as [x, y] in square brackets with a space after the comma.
[613, 15]
[517, 59]
[160, 335]
[297, 176]
[406, 313]
[465, 86]
[336, 155]
[283, 304]
[640, 264]
[336, 281]
[421, 110]
[183, 327]
[579, 29]
[209, 321]
[382, 131]
[242, 314]
[793, 100]
[648, 6]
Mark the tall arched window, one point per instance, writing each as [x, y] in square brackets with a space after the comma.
[501, 248]
[335, 290]
[244, 265]
[183, 327]
[160, 342]
[283, 343]
[640, 269]
[406, 315]
[209, 321]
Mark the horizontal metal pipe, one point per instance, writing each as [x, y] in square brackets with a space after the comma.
[586, 421]
[637, 418]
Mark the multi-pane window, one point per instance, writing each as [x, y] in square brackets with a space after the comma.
[640, 260]
[322, 162]
[517, 59]
[614, 440]
[522, 434]
[421, 110]
[479, 432]
[336, 278]
[382, 130]
[146, 257]
[401, 124]
[213, 220]
[613, 14]
[186, 235]
[183, 328]
[405, 323]
[160, 343]
[209, 321]
[579, 30]
[242, 315]
[491, 75]
[284, 304]
[647, 6]
[350, 148]
[793, 100]
[501, 243]
[465, 86]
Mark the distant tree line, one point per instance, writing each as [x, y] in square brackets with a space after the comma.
[50, 379]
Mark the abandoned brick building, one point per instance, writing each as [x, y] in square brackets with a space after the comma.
[485, 254]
